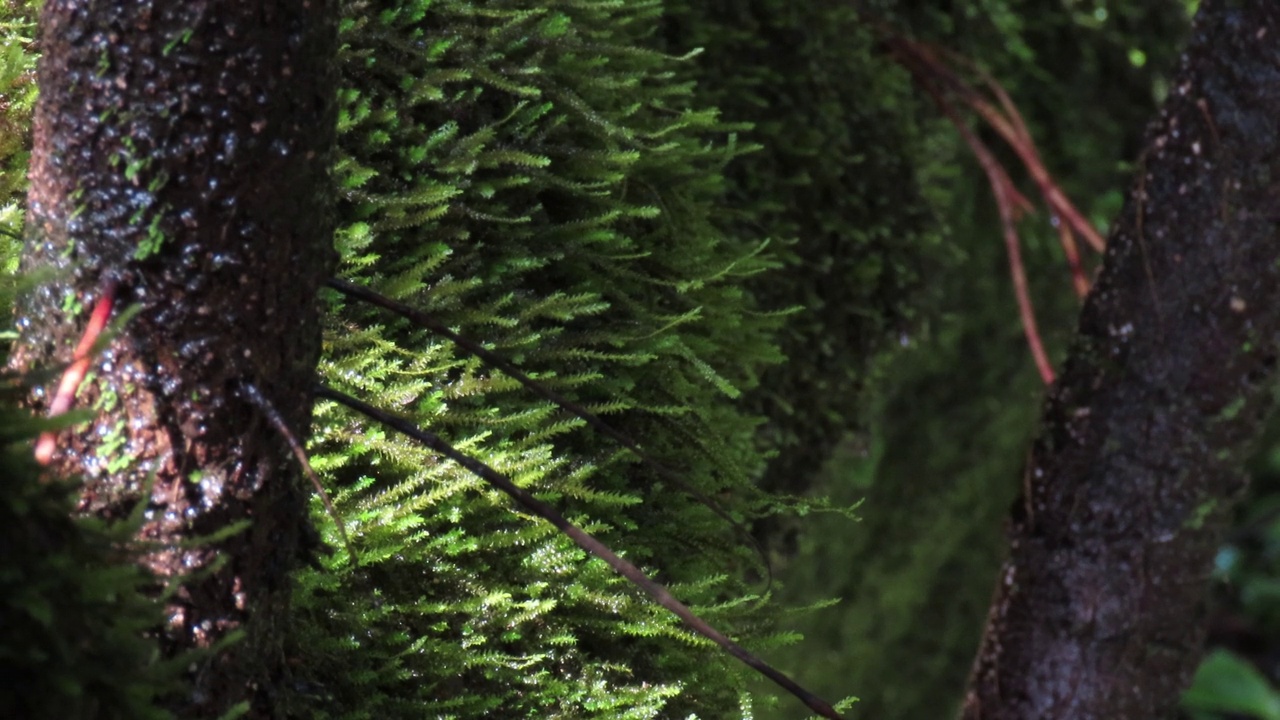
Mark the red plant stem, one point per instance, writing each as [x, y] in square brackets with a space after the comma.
[1026, 151]
[1001, 187]
[1012, 129]
[1049, 190]
[1068, 241]
[74, 374]
[1008, 200]
[1007, 104]
[1066, 237]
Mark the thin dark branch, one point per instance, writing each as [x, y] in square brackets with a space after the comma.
[273, 416]
[584, 540]
[426, 321]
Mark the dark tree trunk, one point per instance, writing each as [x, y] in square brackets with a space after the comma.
[1100, 608]
[181, 164]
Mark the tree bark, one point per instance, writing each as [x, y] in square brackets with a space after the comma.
[181, 166]
[1099, 612]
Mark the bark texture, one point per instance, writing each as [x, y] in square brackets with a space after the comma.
[181, 162]
[1099, 610]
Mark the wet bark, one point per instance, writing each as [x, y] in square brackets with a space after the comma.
[181, 163]
[1099, 612]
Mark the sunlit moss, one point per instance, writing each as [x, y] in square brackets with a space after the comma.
[542, 180]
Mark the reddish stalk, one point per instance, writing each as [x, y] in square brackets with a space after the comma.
[1002, 116]
[1005, 195]
[1068, 241]
[74, 374]
[1010, 126]
[1013, 132]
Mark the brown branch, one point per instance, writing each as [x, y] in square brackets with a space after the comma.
[584, 540]
[281, 426]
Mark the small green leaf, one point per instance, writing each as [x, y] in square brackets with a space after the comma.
[1227, 683]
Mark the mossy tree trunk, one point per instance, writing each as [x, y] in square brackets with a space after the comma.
[1100, 607]
[181, 166]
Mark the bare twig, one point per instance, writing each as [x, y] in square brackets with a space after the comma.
[584, 540]
[268, 409]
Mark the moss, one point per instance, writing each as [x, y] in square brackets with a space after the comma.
[541, 180]
[79, 625]
[834, 183]
[17, 99]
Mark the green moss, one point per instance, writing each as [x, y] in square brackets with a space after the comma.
[155, 238]
[18, 92]
[833, 181]
[78, 623]
[543, 180]
[540, 180]
[1232, 410]
[1201, 513]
